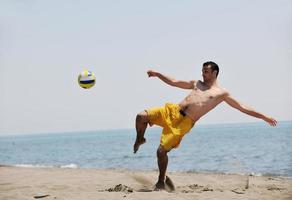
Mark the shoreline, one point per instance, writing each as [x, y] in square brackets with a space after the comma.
[74, 166]
[67, 183]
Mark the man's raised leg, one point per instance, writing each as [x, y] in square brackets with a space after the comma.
[141, 125]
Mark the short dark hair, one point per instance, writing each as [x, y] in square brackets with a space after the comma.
[213, 65]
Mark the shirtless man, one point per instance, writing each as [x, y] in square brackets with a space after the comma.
[178, 119]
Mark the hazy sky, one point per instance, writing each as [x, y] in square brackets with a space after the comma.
[44, 45]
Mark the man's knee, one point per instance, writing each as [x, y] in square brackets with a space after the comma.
[142, 117]
[161, 152]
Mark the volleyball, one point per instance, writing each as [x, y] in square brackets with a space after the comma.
[86, 79]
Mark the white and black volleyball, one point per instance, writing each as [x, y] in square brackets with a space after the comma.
[86, 79]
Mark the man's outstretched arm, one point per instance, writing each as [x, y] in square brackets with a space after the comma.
[247, 110]
[171, 81]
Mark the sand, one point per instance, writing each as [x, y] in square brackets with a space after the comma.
[19, 183]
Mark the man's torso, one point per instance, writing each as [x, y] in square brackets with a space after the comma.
[201, 100]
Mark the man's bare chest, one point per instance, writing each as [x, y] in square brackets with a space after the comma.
[203, 95]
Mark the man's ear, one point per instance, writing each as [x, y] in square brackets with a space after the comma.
[214, 73]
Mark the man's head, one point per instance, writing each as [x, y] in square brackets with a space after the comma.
[210, 71]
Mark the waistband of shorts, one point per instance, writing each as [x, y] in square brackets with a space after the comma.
[182, 112]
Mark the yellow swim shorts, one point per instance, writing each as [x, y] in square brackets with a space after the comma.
[174, 124]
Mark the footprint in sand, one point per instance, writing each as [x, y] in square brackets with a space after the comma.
[120, 188]
[195, 188]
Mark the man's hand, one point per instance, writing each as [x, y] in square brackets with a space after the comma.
[151, 73]
[271, 121]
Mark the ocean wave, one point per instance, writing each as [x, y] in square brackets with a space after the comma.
[70, 166]
[33, 166]
[66, 166]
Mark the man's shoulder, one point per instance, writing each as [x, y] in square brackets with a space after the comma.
[222, 91]
[194, 81]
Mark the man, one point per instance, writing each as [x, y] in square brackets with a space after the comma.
[178, 119]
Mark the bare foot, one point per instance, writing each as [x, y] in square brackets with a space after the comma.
[169, 183]
[138, 143]
[160, 185]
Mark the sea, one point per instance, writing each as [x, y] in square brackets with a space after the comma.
[246, 148]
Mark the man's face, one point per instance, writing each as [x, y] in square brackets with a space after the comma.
[208, 74]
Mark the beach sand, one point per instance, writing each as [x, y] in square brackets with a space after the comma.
[19, 183]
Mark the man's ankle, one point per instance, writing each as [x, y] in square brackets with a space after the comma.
[161, 179]
[140, 139]
[160, 184]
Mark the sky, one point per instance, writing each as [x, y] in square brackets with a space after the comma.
[44, 45]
